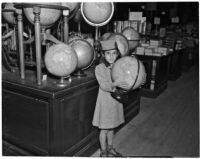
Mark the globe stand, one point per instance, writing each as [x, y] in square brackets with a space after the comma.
[93, 22]
[9, 37]
[120, 95]
[64, 83]
[78, 19]
[30, 60]
[45, 35]
[36, 11]
[11, 33]
[79, 73]
[97, 46]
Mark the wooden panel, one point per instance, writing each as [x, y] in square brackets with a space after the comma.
[175, 65]
[26, 122]
[52, 121]
[77, 112]
[157, 75]
[185, 60]
[161, 71]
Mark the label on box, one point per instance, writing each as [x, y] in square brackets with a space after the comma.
[135, 16]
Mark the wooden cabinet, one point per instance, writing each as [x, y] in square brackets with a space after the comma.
[157, 74]
[188, 58]
[175, 63]
[51, 121]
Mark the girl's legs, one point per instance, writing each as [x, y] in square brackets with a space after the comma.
[106, 142]
[110, 137]
[102, 139]
[111, 151]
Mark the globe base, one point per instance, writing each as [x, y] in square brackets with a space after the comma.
[63, 82]
[120, 95]
[79, 73]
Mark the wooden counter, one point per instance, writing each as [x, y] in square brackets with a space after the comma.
[157, 74]
[51, 121]
[188, 58]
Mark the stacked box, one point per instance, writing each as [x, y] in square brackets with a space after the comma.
[140, 50]
[149, 51]
[163, 50]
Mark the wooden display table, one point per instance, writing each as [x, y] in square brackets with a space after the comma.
[48, 120]
[175, 64]
[188, 58]
[157, 74]
[188, 54]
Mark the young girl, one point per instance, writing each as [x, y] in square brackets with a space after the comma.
[108, 111]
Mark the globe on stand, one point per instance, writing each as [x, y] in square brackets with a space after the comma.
[129, 70]
[105, 36]
[133, 37]
[97, 14]
[73, 8]
[85, 54]
[9, 13]
[61, 60]
[71, 5]
[73, 36]
[122, 43]
[48, 16]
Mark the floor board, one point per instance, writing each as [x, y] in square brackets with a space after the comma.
[167, 125]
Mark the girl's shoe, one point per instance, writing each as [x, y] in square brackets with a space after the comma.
[104, 153]
[111, 152]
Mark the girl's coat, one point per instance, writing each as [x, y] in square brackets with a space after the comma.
[108, 112]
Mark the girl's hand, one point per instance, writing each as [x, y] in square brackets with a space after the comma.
[121, 84]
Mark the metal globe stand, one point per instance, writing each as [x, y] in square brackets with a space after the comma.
[97, 25]
[63, 82]
[12, 36]
[78, 18]
[83, 63]
[36, 10]
[11, 33]
[79, 73]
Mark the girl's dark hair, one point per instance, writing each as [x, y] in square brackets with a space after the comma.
[103, 60]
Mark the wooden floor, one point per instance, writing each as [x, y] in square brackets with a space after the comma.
[166, 126]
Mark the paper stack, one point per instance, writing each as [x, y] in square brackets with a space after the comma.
[140, 51]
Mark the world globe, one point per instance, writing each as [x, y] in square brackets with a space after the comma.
[9, 13]
[97, 13]
[130, 70]
[84, 52]
[105, 36]
[60, 60]
[74, 35]
[73, 8]
[48, 16]
[133, 37]
[70, 5]
[78, 16]
[122, 43]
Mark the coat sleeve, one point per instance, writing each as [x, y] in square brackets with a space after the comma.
[102, 78]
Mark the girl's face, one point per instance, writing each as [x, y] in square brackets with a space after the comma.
[111, 56]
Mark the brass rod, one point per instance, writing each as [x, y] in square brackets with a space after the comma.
[36, 11]
[21, 42]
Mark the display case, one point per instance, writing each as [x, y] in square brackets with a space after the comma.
[175, 63]
[157, 74]
[48, 120]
